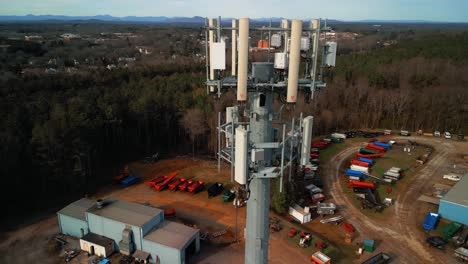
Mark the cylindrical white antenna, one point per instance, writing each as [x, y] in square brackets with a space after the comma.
[243, 59]
[285, 24]
[234, 48]
[294, 60]
[211, 23]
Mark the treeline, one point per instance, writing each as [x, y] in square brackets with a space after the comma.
[417, 84]
[62, 136]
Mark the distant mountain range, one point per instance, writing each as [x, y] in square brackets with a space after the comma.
[165, 19]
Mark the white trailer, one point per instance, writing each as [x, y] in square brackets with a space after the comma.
[338, 135]
[359, 168]
[301, 214]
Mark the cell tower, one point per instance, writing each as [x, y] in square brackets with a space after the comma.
[252, 142]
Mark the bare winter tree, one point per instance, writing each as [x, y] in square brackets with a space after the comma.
[194, 122]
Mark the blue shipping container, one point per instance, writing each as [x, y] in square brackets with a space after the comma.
[383, 145]
[431, 221]
[371, 162]
[132, 179]
[350, 172]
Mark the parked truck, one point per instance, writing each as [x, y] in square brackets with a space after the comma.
[461, 253]
[431, 221]
[326, 208]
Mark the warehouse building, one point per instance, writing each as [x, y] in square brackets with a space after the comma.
[130, 228]
[454, 205]
[72, 219]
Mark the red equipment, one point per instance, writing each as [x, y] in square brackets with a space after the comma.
[183, 186]
[358, 184]
[314, 155]
[173, 185]
[372, 146]
[369, 155]
[319, 244]
[360, 163]
[156, 180]
[169, 212]
[349, 228]
[194, 187]
[292, 232]
[163, 184]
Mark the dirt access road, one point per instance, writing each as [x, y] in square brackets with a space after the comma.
[403, 237]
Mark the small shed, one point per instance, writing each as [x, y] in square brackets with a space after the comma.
[97, 245]
[141, 256]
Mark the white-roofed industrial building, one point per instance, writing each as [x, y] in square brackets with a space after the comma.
[132, 227]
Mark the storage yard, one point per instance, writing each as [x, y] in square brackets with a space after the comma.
[214, 217]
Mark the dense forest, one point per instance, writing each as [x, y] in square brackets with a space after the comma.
[64, 135]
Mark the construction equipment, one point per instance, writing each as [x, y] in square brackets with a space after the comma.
[292, 232]
[163, 184]
[228, 195]
[195, 187]
[305, 239]
[156, 180]
[176, 182]
[169, 212]
[275, 225]
[215, 189]
[183, 186]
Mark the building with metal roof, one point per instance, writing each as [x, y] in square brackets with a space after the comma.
[72, 218]
[454, 205]
[131, 227]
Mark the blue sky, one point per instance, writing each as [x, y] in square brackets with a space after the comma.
[434, 10]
